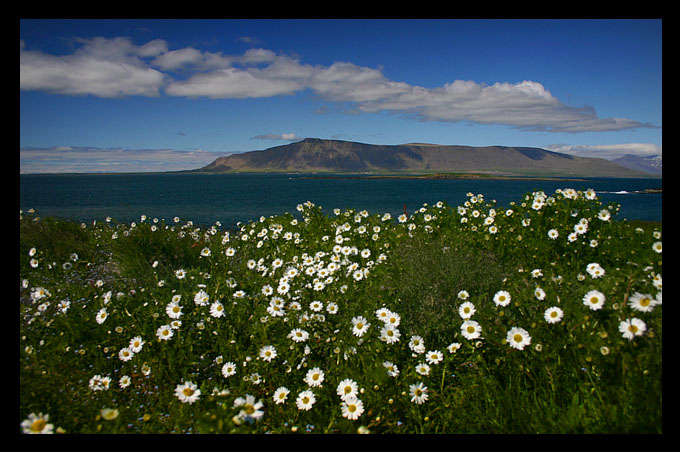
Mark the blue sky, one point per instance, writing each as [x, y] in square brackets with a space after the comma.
[157, 95]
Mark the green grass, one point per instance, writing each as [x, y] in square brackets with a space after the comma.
[579, 375]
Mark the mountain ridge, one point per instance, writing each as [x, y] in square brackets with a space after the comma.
[337, 156]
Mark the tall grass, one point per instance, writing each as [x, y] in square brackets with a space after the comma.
[88, 290]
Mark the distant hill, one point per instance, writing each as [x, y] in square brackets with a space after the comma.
[318, 155]
[650, 164]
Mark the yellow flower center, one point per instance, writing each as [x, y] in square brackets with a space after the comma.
[645, 301]
[249, 409]
[470, 329]
[188, 392]
[633, 329]
[38, 425]
[517, 337]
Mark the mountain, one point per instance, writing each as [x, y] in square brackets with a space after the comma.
[319, 155]
[649, 164]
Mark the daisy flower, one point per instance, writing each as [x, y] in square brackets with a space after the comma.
[434, 357]
[423, 369]
[347, 388]
[280, 395]
[314, 377]
[392, 369]
[217, 309]
[180, 274]
[125, 354]
[389, 334]
[298, 335]
[250, 409]
[165, 332]
[539, 293]
[136, 344]
[101, 316]
[124, 381]
[553, 314]
[641, 302]
[418, 393]
[470, 329]
[463, 295]
[466, 310]
[553, 234]
[630, 328]
[594, 299]
[382, 314]
[201, 298]
[316, 306]
[352, 408]
[359, 326]
[453, 347]
[416, 344]
[205, 252]
[268, 353]
[37, 424]
[657, 247]
[502, 298]
[595, 270]
[187, 392]
[305, 400]
[518, 338]
[228, 369]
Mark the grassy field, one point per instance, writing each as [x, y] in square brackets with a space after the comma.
[540, 317]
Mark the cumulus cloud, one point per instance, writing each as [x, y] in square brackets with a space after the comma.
[77, 159]
[607, 151]
[101, 67]
[117, 67]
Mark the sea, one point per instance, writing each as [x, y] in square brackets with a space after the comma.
[231, 199]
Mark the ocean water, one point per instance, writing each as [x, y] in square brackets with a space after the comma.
[232, 198]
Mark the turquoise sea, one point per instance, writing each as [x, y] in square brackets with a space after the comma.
[231, 198]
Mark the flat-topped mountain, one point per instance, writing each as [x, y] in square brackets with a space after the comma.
[319, 155]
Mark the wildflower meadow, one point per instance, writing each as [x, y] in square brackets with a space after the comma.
[542, 316]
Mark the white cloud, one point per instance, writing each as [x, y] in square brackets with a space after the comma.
[117, 67]
[607, 151]
[101, 67]
[278, 137]
[67, 159]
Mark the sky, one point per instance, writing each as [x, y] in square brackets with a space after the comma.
[162, 95]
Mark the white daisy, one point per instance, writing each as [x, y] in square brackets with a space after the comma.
[314, 377]
[466, 310]
[471, 329]
[630, 328]
[594, 299]
[352, 408]
[228, 369]
[502, 298]
[359, 326]
[280, 395]
[392, 369]
[267, 353]
[389, 334]
[217, 309]
[434, 357]
[553, 314]
[641, 302]
[518, 338]
[187, 392]
[305, 400]
[165, 332]
[298, 335]
[418, 393]
[416, 344]
[347, 388]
